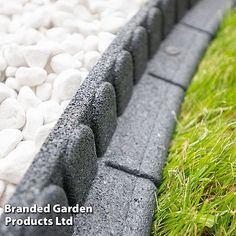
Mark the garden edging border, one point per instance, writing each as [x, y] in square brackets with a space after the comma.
[64, 169]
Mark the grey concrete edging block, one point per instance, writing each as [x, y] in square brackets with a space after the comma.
[142, 137]
[51, 194]
[179, 55]
[123, 199]
[67, 162]
[206, 15]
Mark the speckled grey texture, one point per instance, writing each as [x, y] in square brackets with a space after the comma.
[141, 140]
[123, 191]
[51, 194]
[206, 15]
[181, 7]
[118, 200]
[179, 55]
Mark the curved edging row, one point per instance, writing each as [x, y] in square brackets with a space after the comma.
[67, 163]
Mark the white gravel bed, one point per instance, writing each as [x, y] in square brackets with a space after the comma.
[47, 48]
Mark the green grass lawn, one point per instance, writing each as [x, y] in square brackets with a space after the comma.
[198, 192]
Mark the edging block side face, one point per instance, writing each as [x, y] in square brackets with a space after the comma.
[156, 151]
[182, 6]
[168, 9]
[154, 28]
[179, 55]
[143, 133]
[123, 80]
[114, 196]
[104, 116]
[52, 195]
[206, 15]
[139, 51]
[80, 164]
[141, 209]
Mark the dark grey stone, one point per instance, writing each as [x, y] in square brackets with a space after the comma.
[104, 116]
[168, 9]
[139, 50]
[181, 7]
[123, 80]
[193, 2]
[179, 55]
[143, 132]
[49, 195]
[121, 203]
[79, 163]
[206, 15]
[154, 29]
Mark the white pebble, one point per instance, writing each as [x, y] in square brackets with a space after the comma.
[4, 92]
[62, 62]
[13, 55]
[11, 71]
[112, 24]
[3, 63]
[9, 190]
[15, 164]
[13, 83]
[42, 133]
[91, 43]
[31, 76]
[34, 120]
[44, 91]
[73, 44]
[36, 56]
[51, 77]
[12, 115]
[64, 104]
[90, 59]
[104, 40]
[51, 111]
[57, 34]
[9, 138]
[2, 188]
[67, 83]
[27, 98]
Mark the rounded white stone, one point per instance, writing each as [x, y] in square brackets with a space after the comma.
[9, 138]
[36, 56]
[112, 24]
[104, 40]
[31, 76]
[13, 83]
[51, 111]
[90, 59]
[9, 190]
[4, 92]
[34, 120]
[42, 133]
[13, 55]
[27, 98]
[73, 44]
[11, 71]
[3, 63]
[2, 188]
[15, 164]
[62, 62]
[44, 91]
[67, 83]
[64, 104]
[91, 43]
[12, 115]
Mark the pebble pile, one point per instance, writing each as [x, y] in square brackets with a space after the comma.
[47, 48]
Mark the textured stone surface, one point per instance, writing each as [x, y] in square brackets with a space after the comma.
[206, 15]
[179, 55]
[181, 7]
[49, 195]
[168, 9]
[141, 140]
[122, 204]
